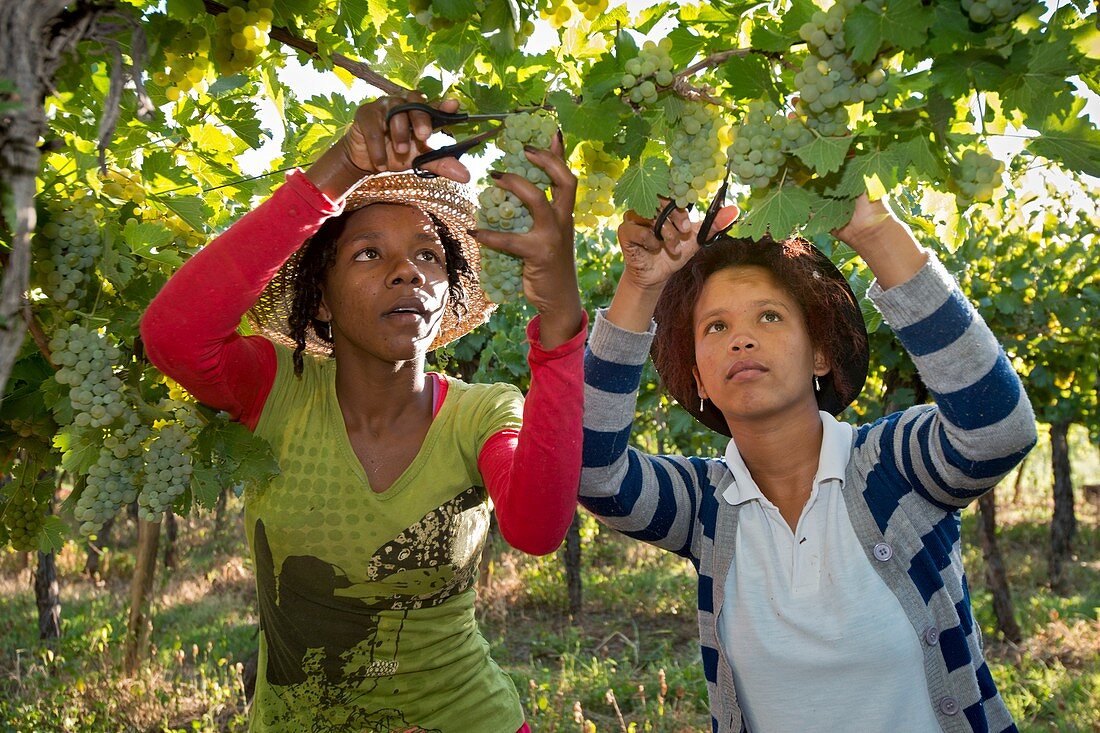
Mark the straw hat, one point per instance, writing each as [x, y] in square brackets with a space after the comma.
[448, 201]
[832, 397]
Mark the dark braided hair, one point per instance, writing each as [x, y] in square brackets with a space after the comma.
[316, 257]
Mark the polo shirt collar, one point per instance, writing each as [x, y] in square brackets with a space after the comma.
[836, 450]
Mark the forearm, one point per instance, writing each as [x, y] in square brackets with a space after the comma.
[534, 482]
[651, 498]
[984, 422]
[632, 306]
[189, 329]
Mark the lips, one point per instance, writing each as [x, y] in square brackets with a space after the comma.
[745, 369]
[409, 306]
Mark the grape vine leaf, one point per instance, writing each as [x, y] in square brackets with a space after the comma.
[828, 215]
[79, 448]
[825, 155]
[53, 534]
[640, 185]
[779, 210]
[587, 121]
[904, 24]
[206, 485]
[1071, 140]
[193, 210]
[1037, 78]
[868, 167]
[749, 77]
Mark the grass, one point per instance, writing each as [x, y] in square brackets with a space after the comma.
[629, 663]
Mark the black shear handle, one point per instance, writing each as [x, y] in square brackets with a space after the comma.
[663, 217]
[439, 118]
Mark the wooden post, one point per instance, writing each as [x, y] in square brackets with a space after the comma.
[1063, 525]
[995, 569]
[137, 628]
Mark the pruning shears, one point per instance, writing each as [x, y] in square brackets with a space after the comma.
[704, 237]
[442, 119]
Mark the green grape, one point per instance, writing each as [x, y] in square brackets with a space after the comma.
[696, 152]
[71, 243]
[560, 12]
[113, 480]
[188, 65]
[829, 79]
[647, 72]
[242, 35]
[501, 275]
[762, 142]
[595, 189]
[86, 362]
[167, 471]
[23, 518]
[977, 177]
[501, 210]
[985, 12]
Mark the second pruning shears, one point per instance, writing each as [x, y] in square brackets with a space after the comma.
[441, 119]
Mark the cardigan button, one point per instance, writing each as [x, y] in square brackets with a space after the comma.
[883, 552]
[949, 706]
[931, 636]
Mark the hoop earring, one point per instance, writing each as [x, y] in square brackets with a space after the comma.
[817, 384]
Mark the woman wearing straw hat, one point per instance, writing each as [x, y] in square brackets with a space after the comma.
[831, 592]
[366, 546]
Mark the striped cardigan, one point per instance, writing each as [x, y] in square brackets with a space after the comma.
[909, 475]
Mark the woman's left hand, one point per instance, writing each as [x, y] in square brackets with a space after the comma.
[549, 267]
[884, 242]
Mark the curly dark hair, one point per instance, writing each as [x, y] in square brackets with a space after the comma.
[832, 316]
[315, 258]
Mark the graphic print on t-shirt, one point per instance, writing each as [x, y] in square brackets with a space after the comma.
[333, 642]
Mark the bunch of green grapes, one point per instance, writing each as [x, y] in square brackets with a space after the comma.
[762, 142]
[977, 176]
[187, 56]
[501, 210]
[24, 516]
[647, 72]
[242, 34]
[86, 361]
[829, 79]
[560, 12]
[995, 11]
[501, 275]
[167, 470]
[114, 479]
[71, 242]
[600, 172]
[696, 143]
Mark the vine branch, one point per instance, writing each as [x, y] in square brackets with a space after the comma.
[357, 69]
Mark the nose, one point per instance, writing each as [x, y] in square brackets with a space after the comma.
[742, 342]
[406, 270]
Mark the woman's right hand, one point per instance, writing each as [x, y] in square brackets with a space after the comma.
[372, 145]
[649, 261]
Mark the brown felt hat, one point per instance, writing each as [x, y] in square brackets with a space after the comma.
[448, 201]
[835, 394]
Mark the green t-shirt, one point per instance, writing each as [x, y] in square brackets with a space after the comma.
[367, 600]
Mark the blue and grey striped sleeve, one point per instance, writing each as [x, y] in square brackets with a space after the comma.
[650, 498]
[983, 424]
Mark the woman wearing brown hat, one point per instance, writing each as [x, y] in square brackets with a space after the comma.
[366, 546]
[831, 591]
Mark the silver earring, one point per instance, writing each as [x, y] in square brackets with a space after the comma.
[327, 335]
[817, 384]
[701, 403]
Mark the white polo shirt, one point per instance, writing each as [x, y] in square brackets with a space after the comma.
[816, 640]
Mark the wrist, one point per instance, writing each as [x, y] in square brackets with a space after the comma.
[335, 174]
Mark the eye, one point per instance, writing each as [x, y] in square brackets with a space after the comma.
[428, 255]
[715, 327]
[770, 317]
[370, 253]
